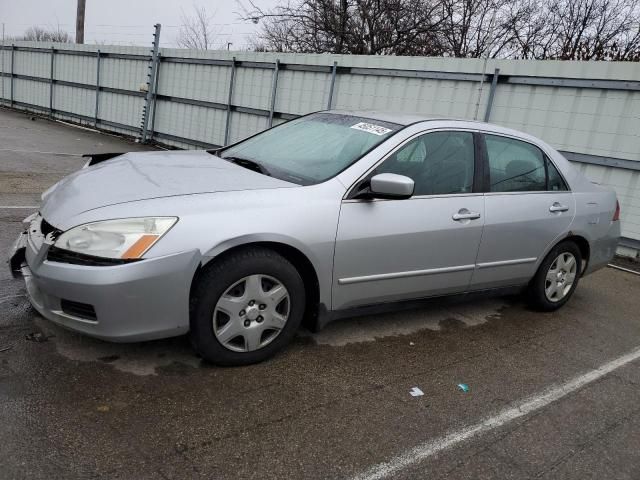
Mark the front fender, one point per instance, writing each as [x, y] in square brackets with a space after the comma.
[323, 269]
[258, 238]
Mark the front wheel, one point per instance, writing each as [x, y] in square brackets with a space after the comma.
[556, 278]
[246, 307]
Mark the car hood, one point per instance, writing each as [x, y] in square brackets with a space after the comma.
[145, 175]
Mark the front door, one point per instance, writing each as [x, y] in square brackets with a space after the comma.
[390, 250]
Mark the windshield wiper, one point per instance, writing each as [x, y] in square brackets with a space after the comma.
[249, 164]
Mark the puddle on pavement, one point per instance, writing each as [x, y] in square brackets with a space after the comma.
[371, 327]
[145, 358]
[175, 356]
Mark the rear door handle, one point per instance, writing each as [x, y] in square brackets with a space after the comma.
[558, 207]
[464, 214]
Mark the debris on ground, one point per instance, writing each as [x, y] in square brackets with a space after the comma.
[416, 392]
[5, 348]
[103, 408]
[36, 337]
[463, 387]
[411, 344]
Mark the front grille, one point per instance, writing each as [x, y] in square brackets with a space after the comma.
[77, 309]
[60, 255]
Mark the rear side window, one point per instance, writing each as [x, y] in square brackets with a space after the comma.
[515, 166]
[556, 183]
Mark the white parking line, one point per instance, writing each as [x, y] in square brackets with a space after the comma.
[524, 407]
[64, 154]
[19, 207]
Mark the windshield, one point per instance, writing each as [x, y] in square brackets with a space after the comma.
[310, 149]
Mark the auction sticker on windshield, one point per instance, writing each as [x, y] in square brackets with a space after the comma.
[371, 128]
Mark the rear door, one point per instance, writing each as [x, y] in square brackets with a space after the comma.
[389, 250]
[527, 208]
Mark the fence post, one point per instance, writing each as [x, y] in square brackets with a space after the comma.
[13, 49]
[333, 82]
[231, 82]
[151, 81]
[492, 92]
[274, 86]
[155, 96]
[53, 53]
[2, 72]
[95, 116]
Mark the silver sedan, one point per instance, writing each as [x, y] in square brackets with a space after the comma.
[314, 219]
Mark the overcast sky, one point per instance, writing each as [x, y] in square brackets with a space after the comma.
[125, 22]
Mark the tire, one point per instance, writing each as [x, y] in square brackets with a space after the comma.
[238, 306]
[554, 283]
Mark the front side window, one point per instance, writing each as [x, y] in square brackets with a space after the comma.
[440, 163]
[311, 149]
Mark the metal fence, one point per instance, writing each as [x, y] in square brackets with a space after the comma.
[193, 99]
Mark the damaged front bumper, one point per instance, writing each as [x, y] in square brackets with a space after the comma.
[136, 301]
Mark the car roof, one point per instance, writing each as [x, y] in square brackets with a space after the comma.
[385, 116]
[406, 119]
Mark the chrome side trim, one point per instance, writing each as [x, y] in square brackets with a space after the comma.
[531, 192]
[503, 263]
[412, 273]
[415, 197]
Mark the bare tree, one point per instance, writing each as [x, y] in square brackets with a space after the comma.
[540, 29]
[402, 27]
[475, 28]
[39, 34]
[592, 29]
[196, 31]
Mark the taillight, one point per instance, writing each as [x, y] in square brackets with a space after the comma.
[616, 216]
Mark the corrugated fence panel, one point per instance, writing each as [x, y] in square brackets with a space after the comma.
[593, 121]
[123, 109]
[76, 100]
[302, 92]
[584, 108]
[123, 73]
[244, 125]
[33, 64]
[75, 68]
[27, 91]
[253, 88]
[190, 121]
[201, 82]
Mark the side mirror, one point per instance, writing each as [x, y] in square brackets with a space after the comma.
[391, 186]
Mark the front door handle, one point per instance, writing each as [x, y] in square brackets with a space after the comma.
[464, 214]
[558, 207]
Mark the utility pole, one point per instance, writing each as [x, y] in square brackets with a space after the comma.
[80, 21]
[486, 59]
[2, 61]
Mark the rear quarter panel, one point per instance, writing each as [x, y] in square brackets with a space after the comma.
[594, 213]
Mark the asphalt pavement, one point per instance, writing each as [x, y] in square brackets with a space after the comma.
[553, 395]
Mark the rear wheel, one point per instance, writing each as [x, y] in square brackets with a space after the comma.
[556, 278]
[246, 307]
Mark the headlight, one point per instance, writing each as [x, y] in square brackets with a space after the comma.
[126, 238]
